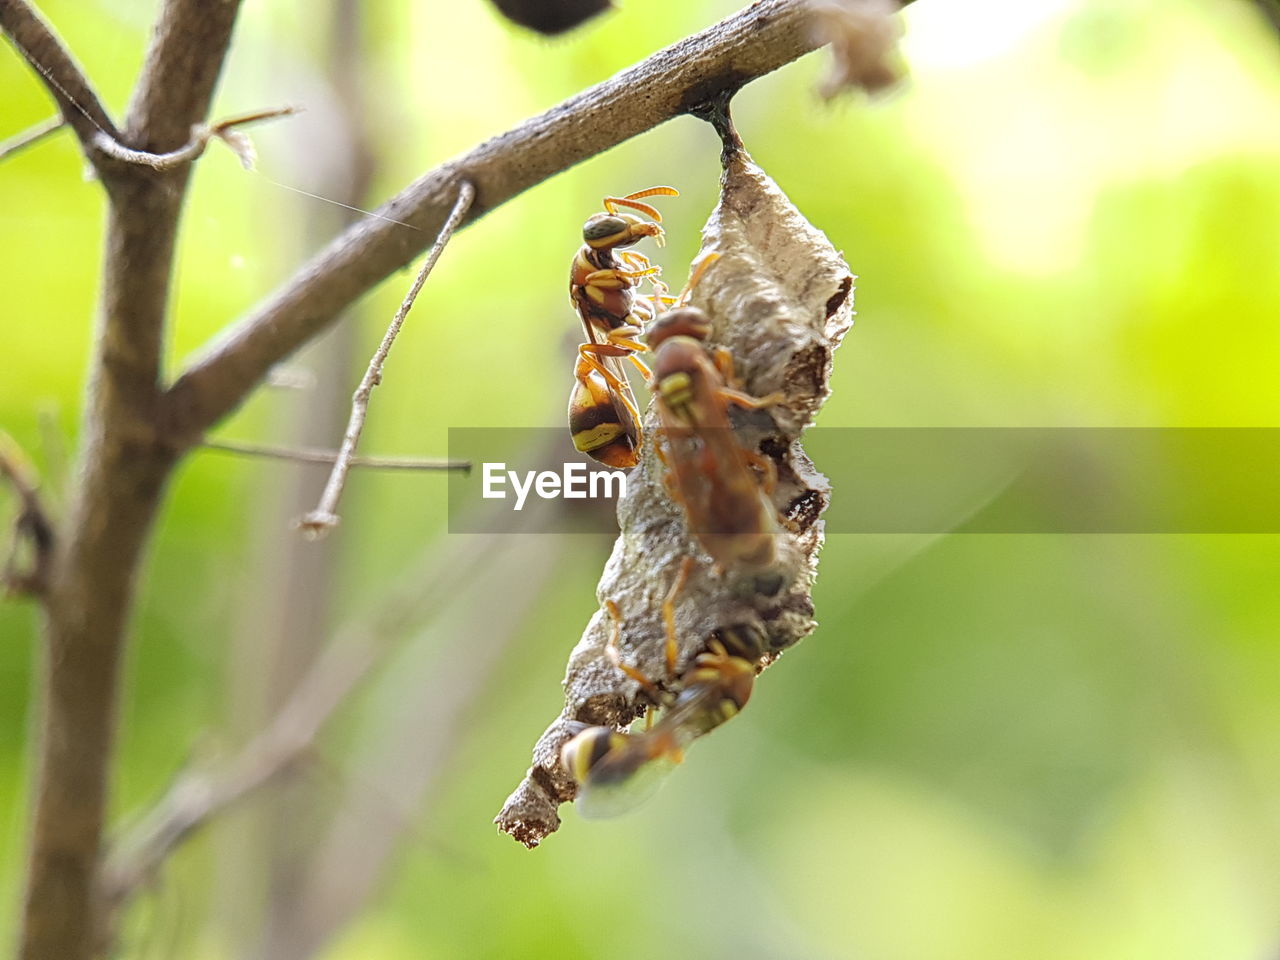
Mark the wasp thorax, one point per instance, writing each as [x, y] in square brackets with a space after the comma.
[683, 321]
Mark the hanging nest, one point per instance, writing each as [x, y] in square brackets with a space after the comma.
[780, 299]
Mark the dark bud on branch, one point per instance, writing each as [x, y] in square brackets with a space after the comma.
[551, 17]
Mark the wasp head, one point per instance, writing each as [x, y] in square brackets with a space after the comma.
[604, 231]
[682, 321]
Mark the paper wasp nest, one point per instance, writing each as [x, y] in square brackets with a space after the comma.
[780, 298]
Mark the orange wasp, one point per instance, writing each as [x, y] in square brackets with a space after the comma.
[709, 474]
[603, 416]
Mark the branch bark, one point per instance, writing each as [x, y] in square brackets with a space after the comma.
[122, 473]
[31, 136]
[330, 457]
[741, 48]
[78, 102]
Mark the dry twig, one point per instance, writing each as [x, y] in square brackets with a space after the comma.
[330, 457]
[199, 795]
[201, 134]
[30, 137]
[318, 522]
[31, 526]
[399, 764]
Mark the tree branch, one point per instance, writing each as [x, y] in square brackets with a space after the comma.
[1270, 10]
[325, 515]
[31, 136]
[741, 48]
[197, 796]
[330, 457]
[201, 134]
[183, 62]
[76, 99]
[31, 525]
[122, 473]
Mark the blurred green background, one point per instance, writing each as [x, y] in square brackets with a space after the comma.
[993, 747]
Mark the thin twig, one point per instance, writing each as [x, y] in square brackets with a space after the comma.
[30, 137]
[32, 525]
[330, 457]
[1270, 10]
[201, 134]
[57, 69]
[199, 795]
[433, 707]
[324, 516]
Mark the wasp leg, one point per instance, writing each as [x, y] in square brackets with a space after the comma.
[669, 484]
[723, 358]
[615, 278]
[748, 402]
[767, 469]
[589, 353]
[669, 613]
[612, 653]
[620, 338]
[659, 452]
[659, 299]
[695, 276]
[732, 393]
[642, 367]
[668, 478]
[636, 261]
[604, 280]
[668, 481]
[650, 271]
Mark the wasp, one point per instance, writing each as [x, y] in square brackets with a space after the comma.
[723, 488]
[616, 770]
[603, 416]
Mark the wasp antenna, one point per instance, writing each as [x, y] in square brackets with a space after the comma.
[695, 277]
[612, 203]
[653, 192]
[632, 200]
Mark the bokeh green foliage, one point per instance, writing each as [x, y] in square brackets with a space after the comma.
[993, 747]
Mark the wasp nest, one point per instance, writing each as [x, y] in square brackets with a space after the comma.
[780, 300]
